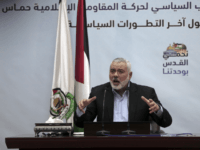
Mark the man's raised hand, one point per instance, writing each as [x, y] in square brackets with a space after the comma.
[153, 106]
[85, 102]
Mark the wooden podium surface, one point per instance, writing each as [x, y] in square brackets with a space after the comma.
[29, 142]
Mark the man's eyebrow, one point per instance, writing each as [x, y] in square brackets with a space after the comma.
[121, 69]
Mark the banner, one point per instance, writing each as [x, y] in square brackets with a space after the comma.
[159, 38]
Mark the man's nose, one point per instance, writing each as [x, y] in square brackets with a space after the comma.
[115, 74]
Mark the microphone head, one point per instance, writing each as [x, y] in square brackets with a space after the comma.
[106, 88]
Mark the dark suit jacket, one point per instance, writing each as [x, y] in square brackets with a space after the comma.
[138, 109]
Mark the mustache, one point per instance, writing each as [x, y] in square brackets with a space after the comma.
[115, 79]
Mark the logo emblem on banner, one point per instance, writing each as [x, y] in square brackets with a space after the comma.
[59, 106]
[176, 67]
[176, 50]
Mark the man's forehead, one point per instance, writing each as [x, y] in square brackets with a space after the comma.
[118, 65]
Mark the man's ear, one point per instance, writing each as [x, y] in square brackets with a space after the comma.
[130, 75]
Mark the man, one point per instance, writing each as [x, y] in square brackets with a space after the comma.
[123, 100]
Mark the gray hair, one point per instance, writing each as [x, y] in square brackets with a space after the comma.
[123, 60]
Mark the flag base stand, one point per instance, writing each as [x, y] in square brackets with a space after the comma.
[102, 133]
[57, 128]
[128, 132]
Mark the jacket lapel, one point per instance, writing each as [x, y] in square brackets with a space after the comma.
[109, 104]
[134, 97]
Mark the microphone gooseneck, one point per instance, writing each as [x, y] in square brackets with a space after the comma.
[103, 109]
[103, 132]
[128, 131]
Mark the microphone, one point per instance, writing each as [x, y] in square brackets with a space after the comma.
[103, 132]
[128, 131]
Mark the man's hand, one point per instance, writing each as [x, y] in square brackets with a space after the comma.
[83, 103]
[153, 106]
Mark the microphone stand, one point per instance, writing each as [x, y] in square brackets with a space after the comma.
[103, 132]
[128, 131]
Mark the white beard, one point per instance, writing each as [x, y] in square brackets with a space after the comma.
[121, 84]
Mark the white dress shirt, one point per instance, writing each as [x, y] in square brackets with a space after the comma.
[120, 107]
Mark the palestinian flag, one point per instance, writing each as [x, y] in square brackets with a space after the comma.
[82, 64]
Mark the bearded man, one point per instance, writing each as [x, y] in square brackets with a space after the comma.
[123, 100]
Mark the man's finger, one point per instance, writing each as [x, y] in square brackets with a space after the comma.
[145, 100]
[82, 103]
[151, 104]
[153, 107]
[151, 100]
[92, 99]
[152, 110]
[82, 110]
[81, 106]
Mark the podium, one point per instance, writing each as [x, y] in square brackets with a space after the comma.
[29, 142]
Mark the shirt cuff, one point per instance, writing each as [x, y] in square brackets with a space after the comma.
[79, 113]
[160, 111]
